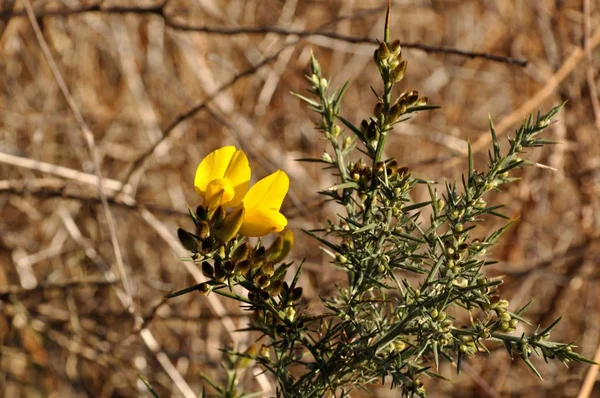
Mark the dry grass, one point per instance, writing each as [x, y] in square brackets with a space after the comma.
[73, 324]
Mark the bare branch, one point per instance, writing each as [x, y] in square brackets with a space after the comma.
[159, 10]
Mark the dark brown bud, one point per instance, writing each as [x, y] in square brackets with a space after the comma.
[276, 288]
[263, 295]
[219, 271]
[203, 230]
[204, 288]
[230, 225]
[397, 73]
[382, 53]
[397, 110]
[241, 252]
[268, 268]
[262, 281]
[228, 266]
[187, 240]
[207, 269]
[218, 217]
[372, 134]
[202, 213]
[391, 168]
[395, 48]
[378, 110]
[296, 294]
[275, 248]
[364, 125]
[242, 267]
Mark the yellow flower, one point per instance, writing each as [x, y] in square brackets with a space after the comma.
[223, 177]
[262, 204]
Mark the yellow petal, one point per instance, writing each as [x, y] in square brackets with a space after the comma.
[269, 192]
[238, 173]
[261, 222]
[219, 191]
[212, 167]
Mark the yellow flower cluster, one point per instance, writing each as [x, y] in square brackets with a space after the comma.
[223, 179]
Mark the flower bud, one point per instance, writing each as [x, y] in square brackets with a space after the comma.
[219, 271]
[218, 217]
[262, 281]
[264, 352]
[207, 269]
[275, 249]
[268, 269]
[296, 294]
[340, 258]
[242, 267]
[505, 317]
[203, 230]
[290, 313]
[230, 226]
[397, 73]
[202, 213]
[382, 53]
[241, 252]
[276, 288]
[187, 240]
[395, 48]
[248, 357]
[378, 109]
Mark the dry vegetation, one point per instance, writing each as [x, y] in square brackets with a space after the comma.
[80, 307]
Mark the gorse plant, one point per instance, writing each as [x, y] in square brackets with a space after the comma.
[408, 277]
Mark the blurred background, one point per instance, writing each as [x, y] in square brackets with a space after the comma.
[154, 87]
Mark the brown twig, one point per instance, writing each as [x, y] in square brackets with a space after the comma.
[159, 10]
[589, 65]
[56, 188]
[72, 284]
[90, 142]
